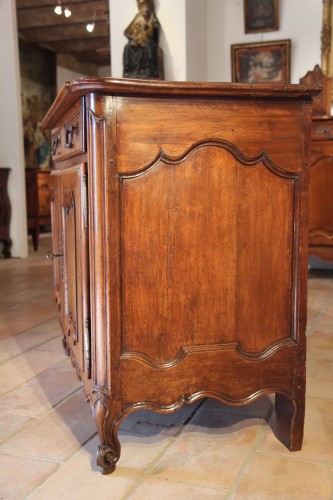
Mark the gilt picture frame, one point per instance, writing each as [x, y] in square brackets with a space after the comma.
[261, 15]
[262, 62]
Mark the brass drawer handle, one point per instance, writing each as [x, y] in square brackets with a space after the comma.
[51, 256]
[69, 133]
[323, 130]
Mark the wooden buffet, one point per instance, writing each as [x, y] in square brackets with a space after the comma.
[180, 221]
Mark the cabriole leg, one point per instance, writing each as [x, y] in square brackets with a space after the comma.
[107, 421]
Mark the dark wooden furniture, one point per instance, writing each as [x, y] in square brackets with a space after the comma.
[5, 213]
[38, 201]
[180, 245]
[321, 169]
[321, 190]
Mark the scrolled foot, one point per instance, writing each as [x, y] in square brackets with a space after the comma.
[106, 458]
[65, 346]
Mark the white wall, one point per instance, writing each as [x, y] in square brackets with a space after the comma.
[196, 40]
[11, 129]
[300, 21]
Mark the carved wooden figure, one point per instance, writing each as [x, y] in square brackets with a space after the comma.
[142, 57]
[180, 245]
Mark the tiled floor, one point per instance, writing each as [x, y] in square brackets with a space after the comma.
[48, 437]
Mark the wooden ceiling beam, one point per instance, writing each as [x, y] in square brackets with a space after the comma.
[56, 33]
[32, 4]
[45, 16]
[39, 25]
[79, 45]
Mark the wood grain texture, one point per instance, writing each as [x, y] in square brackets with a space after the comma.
[207, 252]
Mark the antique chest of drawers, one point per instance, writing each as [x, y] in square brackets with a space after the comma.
[180, 221]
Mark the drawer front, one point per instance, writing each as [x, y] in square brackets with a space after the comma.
[322, 130]
[68, 138]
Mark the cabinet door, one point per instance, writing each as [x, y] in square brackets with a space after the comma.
[74, 279]
[57, 244]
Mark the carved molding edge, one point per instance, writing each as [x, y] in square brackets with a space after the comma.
[321, 232]
[250, 161]
[318, 157]
[187, 350]
[192, 398]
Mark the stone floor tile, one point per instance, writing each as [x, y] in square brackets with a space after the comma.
[12, 327]
[280, 477]
[54, 344]
[42, 392]
[319, 378]
[23, 368]
[22, 342]
[325, 322]
[320, 344]
[318, 433]
[11, 424]
[211, 450]
[57, 435]
[82, 474]
[19, 476]
[163, 489]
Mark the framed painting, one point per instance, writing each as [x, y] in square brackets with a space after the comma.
[261, 15]
[263, 62]
[327, 40]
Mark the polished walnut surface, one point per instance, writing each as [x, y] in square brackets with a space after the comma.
[180, 217]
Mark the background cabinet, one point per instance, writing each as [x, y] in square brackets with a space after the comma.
[321, 169]
[38, 201]
[321, 190]
[179, 240]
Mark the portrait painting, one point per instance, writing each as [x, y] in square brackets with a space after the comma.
[261, 15]
[263, 62]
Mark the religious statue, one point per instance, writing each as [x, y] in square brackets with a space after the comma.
[142, 56]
